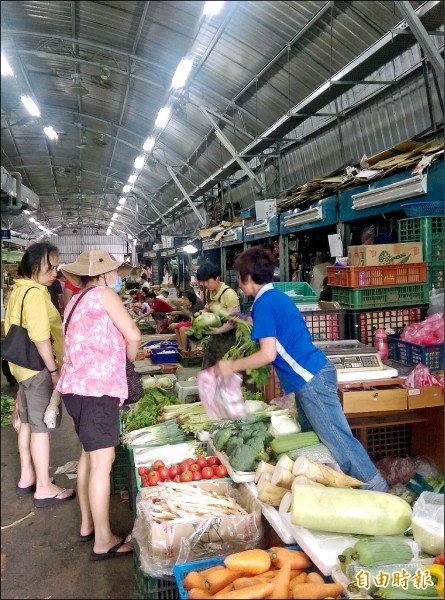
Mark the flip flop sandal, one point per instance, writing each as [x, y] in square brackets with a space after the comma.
[44, 502]
[30, 489]
[86, 538]
[112, 552]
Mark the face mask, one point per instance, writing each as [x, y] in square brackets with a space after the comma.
[117, 285]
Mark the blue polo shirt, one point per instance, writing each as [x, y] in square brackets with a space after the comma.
[275, 315]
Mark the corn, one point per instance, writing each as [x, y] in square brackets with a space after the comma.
[285, 443]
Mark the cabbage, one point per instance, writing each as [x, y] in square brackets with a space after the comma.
[148, 382]
[254, 406]
[283, 425]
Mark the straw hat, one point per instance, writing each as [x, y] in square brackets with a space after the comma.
[93, 263]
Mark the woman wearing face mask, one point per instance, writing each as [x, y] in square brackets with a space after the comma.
[99, 335]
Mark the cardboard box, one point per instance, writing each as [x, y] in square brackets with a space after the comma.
[385, 254]
[425, 397]
[265, 209]
[371, 399]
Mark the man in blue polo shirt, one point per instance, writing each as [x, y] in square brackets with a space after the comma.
[285, 341]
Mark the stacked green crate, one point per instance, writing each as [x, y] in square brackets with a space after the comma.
[429, 231]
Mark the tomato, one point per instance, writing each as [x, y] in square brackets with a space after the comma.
[143, 471]
[195, 467]
[221, 471]
[184, 467]
[158, 464]
[215, 477]
[177, 478]
[174, 470]
[186, 476]
[144, 482]
[164, 472]
[207, 473]
[189, 461]
[212, 460]
[196, 476]
[201, 461]
[153, 478]
[167, 479]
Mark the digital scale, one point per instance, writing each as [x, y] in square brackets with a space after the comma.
[355, 361]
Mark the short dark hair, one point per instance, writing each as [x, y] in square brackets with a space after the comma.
[31, 262]
[257, 262]
[150, 295]
[192, 297]
[208, 271]
[144, 276]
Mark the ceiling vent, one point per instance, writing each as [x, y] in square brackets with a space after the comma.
[77, 88]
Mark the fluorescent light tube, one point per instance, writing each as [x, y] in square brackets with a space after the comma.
[122, 200]
[119, 207]
[126, 189]
[132, 178]
[257, 229]
[49, 132]
[30, 105]
[407, 188]
[163, 117]
[182, 72]
[6, 67]
[212, 7]
[148, 144]
[139, 162]
[190, 249]
[305, 216]
[115, 215]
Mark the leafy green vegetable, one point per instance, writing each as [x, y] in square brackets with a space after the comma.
[222, 437]
[7, 406]
[147, 410]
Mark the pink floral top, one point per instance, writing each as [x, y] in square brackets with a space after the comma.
[95, 351]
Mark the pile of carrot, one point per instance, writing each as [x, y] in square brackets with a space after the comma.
[256, 574]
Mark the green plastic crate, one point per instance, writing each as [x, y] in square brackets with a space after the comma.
[151, 588]
[190, 361]
[434, 277]
[429, 231]
[120, 470]
[397, 295]
[305, 294]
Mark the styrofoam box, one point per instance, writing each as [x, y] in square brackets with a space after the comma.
[185, 389]
[273, 517]
[237, 476]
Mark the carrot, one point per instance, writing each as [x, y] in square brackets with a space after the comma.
[316, 591]
[297, 559]
[243, 582]
[314, 578]
[224, 591]
[301, 578]
[218, 580]
[210, 570]
[267, 575]
[198, 594]
[249, 561]
[253, 592]
[281, 583]
[194, 580]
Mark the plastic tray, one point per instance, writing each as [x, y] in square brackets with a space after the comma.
[237, 476]
[362, 277]
[304, 293]
[412, 354]
[376, 297]
[273, 517]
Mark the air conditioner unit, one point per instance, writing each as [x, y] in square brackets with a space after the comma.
[407, 188]
[157, 247]
[164, 253]
[258, 229]
[230, 236]
[305, 216]
[209, 244]
[171, 252]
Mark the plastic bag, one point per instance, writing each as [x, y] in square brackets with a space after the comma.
[429, 331]
[221, 396]
[428, 521]
[420, 377]
[368, 235]
[164, 544]
[436, 301]
[396, 469]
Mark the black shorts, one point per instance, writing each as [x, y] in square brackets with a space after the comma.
[96, 420]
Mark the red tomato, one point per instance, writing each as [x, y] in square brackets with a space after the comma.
[221, 471]
[143, 471]
[144, 482]
[186, 476]
[215, 477]
[212, 460]
[184, 467]
[167, 479]
[189, 461]
[177, 478]
[163, 473]
[158, 464]
[196, 475]
[153, 478]
[195, 467]
[207, 473]
[174, 470]
[201, 461]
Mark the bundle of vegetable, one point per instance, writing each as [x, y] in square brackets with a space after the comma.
[155, 435]
[146, 411]
[173, 501]
[190, 417]
[202, 324]
[7, 406]
[245, 443]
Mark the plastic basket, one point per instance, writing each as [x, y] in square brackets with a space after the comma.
[435, 277]
[151, 588]
[361, 324]
[361, 277]
[190, 361]
[157, 356]
[429, 231]
[403, 295]
[391, 440]
[423, 209]
[119, 476]
[325, 325]
[412, 354]
[304, 294]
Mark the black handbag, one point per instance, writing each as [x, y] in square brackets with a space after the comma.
[135, 389]
[17, 348]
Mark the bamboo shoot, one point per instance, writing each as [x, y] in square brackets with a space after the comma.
[285, 462]
[263, 467]
[282, 478]
[323, 474]
[285, 504]
[272, 494]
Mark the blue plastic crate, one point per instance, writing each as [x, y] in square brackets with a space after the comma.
[157, 356]
[412, 354]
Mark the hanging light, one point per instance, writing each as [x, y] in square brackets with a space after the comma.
[6, 67]
[163, 117]
[126, 189]
[77, 88]
[30, 105]
[148, 144]
[122, 200]
[139, 162]
[190, 249]
[49, 132]
[132, 178]
[182, 73]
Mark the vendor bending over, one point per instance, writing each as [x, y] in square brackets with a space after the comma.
[158, 308]
[302, 368]
[193, 304]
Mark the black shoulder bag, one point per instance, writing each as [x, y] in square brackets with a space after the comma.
[135, 389]
[17, 348]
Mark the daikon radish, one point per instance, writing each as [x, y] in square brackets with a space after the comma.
[272, 494]
[285, 462]
[323, 474]
[285, 504]
[282, 478]
[263, 467]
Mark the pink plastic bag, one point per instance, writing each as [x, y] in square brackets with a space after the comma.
[429, 331]
[221, 396]
[420, 377]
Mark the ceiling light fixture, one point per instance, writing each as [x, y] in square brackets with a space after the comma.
[119, 207]
[132, 178]
[138, 162]
[148, 144]
[49, 132]
[212, 8]
[31, 219]
[163, 117]
[30, 105]
[126, 189]
[77, 88]
[407, 188]
[26, 212]
[190, 249]
[182, 72]
[6, 67]
[122, 200]
[115, 215]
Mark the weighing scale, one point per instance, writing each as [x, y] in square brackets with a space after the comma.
[355, 361]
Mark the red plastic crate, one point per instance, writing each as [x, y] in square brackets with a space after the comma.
[362, 324]
[273, 389]
[325, 325]
[360, 277]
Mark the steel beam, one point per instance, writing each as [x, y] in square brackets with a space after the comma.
[186, 196]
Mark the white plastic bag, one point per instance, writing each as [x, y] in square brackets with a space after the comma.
[427, 523]
[221, 396]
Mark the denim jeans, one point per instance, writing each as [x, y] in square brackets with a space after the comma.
[319, 409]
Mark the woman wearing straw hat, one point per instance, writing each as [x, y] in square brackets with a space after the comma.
[99, 335]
